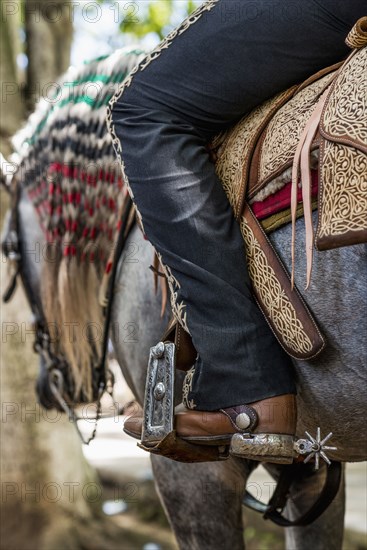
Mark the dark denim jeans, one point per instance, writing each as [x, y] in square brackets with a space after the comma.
[233, 55]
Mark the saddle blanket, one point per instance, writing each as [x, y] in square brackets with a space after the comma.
[279, 203]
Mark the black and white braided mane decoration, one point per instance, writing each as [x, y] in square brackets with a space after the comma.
[68, 167]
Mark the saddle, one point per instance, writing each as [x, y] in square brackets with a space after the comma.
[320, 124]
[323, 120]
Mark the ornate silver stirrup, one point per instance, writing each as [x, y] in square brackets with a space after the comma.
[158, 421]
[159, 398]
[158, 434]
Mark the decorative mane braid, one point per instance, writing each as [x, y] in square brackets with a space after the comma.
[68, 167]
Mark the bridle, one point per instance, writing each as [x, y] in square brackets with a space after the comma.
[55, 364]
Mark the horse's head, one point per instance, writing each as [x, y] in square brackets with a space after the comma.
[23, 245]
[62, 293]
[25, 248]
[67, 198]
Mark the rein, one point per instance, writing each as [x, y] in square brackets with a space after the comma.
[289, 474]
[56, 365]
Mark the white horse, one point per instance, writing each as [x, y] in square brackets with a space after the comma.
[203, 501]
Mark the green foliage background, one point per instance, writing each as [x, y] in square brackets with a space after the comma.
[155, 16]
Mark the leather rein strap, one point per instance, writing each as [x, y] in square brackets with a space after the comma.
[125, 229]
[290, 474]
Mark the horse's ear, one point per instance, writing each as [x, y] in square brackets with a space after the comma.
[7, 172]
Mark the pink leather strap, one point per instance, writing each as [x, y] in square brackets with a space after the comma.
[302, 161]
[295, 173]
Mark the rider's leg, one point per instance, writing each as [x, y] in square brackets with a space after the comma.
[234, 55]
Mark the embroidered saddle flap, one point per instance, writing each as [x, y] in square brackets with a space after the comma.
[261, 146]
[259, 149]
[284, 309]
[277, 143]
[342, 202]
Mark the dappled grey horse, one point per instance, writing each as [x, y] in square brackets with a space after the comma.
[204, 501]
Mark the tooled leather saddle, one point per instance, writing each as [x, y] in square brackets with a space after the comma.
[321, 124]
[323, 120]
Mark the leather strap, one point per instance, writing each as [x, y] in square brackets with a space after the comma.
[185, 351]
[11, 245]
[162, 282]
[279, 499]
[273, 274]
[127, 220]
[242, 417]
[302, 158]
[9, 292]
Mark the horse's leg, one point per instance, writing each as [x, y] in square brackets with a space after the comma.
[327, 531]
[203, 501]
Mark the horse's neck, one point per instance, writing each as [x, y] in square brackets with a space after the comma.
[136, 321]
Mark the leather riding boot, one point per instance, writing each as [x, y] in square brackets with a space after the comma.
[263, 430]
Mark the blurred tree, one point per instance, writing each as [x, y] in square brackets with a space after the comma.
[49, 32]
[51, 498]
[12, 108]
[156, 18]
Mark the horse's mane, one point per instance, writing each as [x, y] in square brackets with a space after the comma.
[67, 165]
